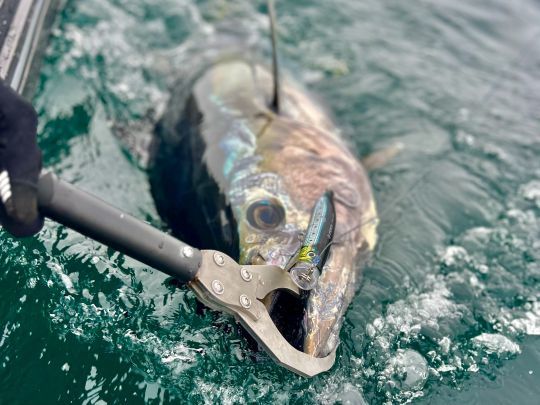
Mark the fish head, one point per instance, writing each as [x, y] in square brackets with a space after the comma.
[272, 203]
[270, 223]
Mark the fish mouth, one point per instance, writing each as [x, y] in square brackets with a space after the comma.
[290, 313]
[286, 310]
[308, 322]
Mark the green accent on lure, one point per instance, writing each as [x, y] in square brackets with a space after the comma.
[312, 255]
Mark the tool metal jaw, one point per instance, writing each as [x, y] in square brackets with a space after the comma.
[224, 285]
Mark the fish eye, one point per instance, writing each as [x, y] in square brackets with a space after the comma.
[265, 214]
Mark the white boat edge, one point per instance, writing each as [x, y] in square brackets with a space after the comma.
[25, 28]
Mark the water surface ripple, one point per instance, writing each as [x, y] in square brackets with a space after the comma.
[449, 309]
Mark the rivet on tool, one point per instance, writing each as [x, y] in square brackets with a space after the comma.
[245, 301]
[246, 274]
[219, 259]
[187, 251]
[218, 288]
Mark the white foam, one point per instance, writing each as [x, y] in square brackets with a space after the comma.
[444, 343]
[495, 343]
[66, 280]
[531, 191]
[177, 356]
[465, 138]
[407, 317]
[529, 322]
[453, 254]
[445, 368]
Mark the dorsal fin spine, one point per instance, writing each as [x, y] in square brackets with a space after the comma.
[276, 98]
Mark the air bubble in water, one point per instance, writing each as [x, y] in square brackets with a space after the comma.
[351, 396]
[408, 369]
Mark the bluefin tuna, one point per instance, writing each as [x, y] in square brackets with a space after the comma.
[233, 174]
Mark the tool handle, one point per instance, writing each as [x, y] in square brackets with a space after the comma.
[94, 218]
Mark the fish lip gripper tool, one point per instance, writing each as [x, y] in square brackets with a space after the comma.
[217, 280]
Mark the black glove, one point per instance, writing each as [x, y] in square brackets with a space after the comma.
[20, 165]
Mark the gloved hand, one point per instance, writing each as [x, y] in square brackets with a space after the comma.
[20, 165]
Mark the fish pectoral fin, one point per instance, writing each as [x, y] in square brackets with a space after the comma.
[381, 157]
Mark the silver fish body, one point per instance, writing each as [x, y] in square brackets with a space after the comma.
[232, 175]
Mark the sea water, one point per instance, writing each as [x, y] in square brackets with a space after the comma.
[449, 308]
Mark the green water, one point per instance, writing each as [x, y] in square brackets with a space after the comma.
[449, 310]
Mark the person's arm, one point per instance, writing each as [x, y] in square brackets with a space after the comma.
[20, 165]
